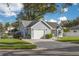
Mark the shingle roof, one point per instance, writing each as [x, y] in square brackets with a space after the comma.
[63, 23]
[31, 23]
[52, 24]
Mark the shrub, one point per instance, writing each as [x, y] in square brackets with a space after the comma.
[66, 30]
[48, 36]
[4, 36]
[74, 30]
[28, 36]
[17, 35]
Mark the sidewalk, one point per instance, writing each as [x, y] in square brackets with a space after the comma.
[39, 40]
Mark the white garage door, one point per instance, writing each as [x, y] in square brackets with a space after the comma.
[37, 34]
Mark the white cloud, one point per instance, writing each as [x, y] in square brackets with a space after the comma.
[46, 20]
[64, 9]
[10, 14]
[63, 18]
[52, 20]
[16, 7]
[75, 3]
[12, 10]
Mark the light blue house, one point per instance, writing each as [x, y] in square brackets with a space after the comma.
[38, 29]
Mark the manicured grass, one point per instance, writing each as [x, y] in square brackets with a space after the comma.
[20, 46]
[15, 44]
[69, 39]
[13, 41]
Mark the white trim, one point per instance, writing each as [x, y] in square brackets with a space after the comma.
[47, 24]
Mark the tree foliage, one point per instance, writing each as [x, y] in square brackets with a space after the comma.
[35, 11]
[7, 24]
[72, 23]
[1, 27]
[15, 24]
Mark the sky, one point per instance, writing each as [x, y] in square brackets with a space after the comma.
[70, 13]
[10, 14]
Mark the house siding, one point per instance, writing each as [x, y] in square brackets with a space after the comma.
[28, 30]
[24, 30]
[41, 26]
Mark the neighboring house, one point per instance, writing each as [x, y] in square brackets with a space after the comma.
[74, 31]
[38, 29]
[9, 29]
[57, 29]
[60, 31]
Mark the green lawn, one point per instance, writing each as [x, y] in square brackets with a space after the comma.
[69, 39]
[15, 44]
[13, 41]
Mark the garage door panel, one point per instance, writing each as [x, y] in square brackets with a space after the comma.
[37, 34]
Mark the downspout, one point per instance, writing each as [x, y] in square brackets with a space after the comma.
[44, 32]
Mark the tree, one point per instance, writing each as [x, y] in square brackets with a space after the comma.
[72, 23]
[77, 21]
[7, 25]
[15, 24]
[35, 11]
[1, 27]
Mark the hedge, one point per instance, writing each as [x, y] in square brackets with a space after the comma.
[48, 36]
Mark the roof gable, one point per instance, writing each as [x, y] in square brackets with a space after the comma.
[47, 24]
[43, 22]
[50, 25]
[28, 23]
